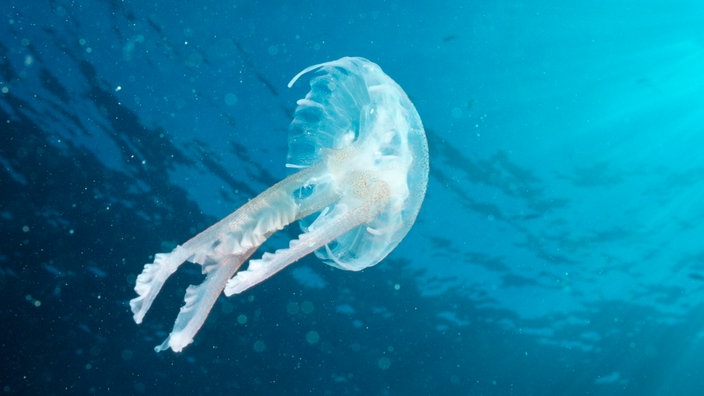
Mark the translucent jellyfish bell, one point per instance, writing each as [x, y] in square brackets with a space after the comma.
[362, 159]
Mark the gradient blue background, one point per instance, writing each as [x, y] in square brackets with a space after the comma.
[560, 249]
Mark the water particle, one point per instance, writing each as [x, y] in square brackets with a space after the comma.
[312, 337]
[307, 307]
[230, 99]
[259, 346]
[292, 308]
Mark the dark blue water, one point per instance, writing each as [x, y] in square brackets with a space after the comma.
[559, 251]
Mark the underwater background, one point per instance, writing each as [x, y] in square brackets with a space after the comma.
[559, 250]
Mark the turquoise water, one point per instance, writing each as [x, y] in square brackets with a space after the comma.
[558, 251]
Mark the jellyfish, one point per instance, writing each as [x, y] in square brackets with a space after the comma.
[360, 156]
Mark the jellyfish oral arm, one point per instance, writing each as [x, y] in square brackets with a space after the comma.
[199, 300]
[220, 250]
[344, 217]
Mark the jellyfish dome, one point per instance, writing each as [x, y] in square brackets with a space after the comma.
[356, 117]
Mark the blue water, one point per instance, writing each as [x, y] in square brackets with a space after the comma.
[559, 250]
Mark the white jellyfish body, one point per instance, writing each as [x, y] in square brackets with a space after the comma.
[362, 156]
